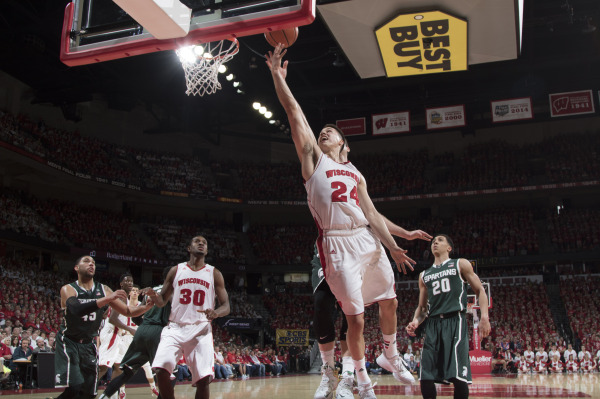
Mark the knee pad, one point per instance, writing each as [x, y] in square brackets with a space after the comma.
[324, 316]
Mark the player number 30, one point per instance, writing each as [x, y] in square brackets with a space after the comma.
[445, 285]
[187, 297]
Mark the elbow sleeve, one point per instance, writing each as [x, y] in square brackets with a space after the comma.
[78, 308]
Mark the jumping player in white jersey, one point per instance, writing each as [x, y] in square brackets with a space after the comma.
[192, 288]
[351, 231]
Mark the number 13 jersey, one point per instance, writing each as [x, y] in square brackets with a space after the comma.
[332, 193]
[192, 291]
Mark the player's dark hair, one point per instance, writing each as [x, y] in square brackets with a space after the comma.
[337, 129]
[447, 237]
[197, 235]
[126, 274]
[79, 259]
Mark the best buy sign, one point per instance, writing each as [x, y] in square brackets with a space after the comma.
[422, 43]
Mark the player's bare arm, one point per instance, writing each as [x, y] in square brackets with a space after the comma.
[68, 299]
[398, 231]
[120, 306]
[162, 298]
[377, 223]
[222, 296]
[421, 311]
[304, 139]
[466, 270]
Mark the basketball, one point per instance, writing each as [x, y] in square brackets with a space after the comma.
[285, 36]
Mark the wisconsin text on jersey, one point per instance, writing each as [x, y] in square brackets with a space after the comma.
[341, 172]
[444, 273]
[193, 280]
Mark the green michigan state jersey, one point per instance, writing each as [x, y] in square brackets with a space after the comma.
[157, 316]
[446, 289]
[87, 326]
[317, 276]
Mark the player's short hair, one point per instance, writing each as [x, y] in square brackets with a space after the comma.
[126, 274]
[78, 260]
[197, 235]
[447, 237]
[337, 129]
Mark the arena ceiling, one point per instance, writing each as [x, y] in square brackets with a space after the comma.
[560, 51]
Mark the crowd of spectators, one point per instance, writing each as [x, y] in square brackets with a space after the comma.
[172, 235]
[569, 157]
[283, 244]
[581, 296]
[574, 229]
[20, 218]
[499, 232]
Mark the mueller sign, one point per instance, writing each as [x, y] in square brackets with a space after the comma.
[423, 43]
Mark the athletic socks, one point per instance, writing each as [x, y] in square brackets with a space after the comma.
[327, 357]
[347, 366]
[389, 345]
[361, 371]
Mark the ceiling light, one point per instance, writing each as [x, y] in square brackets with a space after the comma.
[237, 84]
[186, 55]
[222, 69]
[268, 114]
[198, 50]
[230, 77]
[240, 92]
[262, 110]
[272, 121]
[256, 105]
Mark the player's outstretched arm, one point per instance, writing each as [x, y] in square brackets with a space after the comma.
[398, 231]
[68, 300]
[421, 312]
[162, 298]
[304, 139]
[380, 229]
[222, 296]
[120, 306]
[466, 270]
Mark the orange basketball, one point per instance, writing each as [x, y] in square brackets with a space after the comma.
[285, 36]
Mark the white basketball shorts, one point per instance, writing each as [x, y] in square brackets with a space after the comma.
[356, 268]
[194, 341]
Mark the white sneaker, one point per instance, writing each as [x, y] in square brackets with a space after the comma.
[328, 383]
[396, 366]
[365, 391]
[344, 388]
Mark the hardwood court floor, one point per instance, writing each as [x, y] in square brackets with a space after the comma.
[303, 387]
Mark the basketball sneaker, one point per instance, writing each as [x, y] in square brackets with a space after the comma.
[155, 392]
[328, 383]
[396, 366]
[122, 394]
[345, 387]
[365, 391]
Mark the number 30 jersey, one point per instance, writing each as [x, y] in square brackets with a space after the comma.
[446, 289]
[332, 193]
[192, 291]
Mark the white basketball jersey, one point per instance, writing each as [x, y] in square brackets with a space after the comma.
[192, 291]
[332, 193]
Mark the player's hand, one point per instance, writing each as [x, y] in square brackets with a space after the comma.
[210, 314]
[484, 327]
[149, 301]
[418, 234]
[119, 294]
[411, 328]
[402, 260]
[148, 291]
[274, 61]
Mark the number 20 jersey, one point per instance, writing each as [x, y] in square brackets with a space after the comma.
[192, 291]
[446, 289]
[332, 193]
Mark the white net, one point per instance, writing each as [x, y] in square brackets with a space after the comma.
[202, 63]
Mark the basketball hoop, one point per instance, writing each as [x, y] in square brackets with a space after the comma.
[201, 64]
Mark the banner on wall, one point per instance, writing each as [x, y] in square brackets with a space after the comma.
[571, 103]
[291, 337]
[445, 117]
[352, 127]
[395, 122]
[512, 109]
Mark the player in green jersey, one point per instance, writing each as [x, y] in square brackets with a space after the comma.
[443, 301]
[83, 303]
[143, 347]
